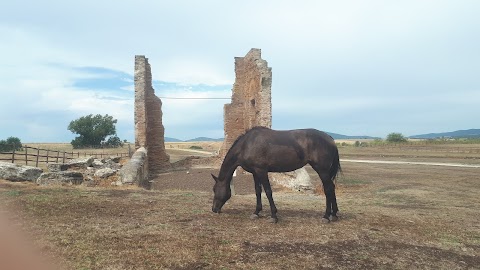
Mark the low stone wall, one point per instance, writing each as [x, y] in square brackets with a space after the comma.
[136, 169]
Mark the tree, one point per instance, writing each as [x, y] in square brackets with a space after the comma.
[396, 137]
[12, 143]
[92, 130]
[113, 142]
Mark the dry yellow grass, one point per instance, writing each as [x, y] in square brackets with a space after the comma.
[391, 217]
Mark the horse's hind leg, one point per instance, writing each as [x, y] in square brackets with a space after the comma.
[334, 203]
[327, 189]
[330, 197]
[258, 193]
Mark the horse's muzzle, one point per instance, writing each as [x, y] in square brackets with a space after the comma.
[216, 210]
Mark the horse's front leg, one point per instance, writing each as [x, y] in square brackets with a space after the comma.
[258, 193]
[268, 192]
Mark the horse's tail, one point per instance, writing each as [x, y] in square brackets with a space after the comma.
[335, 168]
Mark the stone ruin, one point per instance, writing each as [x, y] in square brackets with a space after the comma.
[251, 106]
[251, 103]
[149, 130]
[150, 157]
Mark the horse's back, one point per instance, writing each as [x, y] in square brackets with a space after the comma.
[283, 150]
[260, 135]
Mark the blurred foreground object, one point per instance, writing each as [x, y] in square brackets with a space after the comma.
[16, 252]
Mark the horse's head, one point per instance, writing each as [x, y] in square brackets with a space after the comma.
[222, 193]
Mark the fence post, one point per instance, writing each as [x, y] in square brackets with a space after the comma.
[38, 154]
[13, 156]
[26, 152]
[47, 154]
[58, 155]
[64, 157]
[129, 151]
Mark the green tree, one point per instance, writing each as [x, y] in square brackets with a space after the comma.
[10, 144]
[113, 141]
[396, 137]
[92, 130]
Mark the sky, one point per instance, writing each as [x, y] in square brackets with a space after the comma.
[353, 67]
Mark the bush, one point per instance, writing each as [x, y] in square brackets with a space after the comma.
[360, 144]
[396, 138]
[113, 142]
[196, 147]
[10, 144]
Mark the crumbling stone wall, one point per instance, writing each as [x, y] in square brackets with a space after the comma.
[251, 103]
[149, 130]
[252, 106]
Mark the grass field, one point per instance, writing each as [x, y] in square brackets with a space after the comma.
[391, 217]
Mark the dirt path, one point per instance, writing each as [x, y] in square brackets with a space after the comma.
[411, 163]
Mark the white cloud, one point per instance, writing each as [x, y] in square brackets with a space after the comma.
[383, 57]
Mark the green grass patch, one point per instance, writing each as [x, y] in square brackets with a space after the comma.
[450, 240]
[350, 181]
[12, 193]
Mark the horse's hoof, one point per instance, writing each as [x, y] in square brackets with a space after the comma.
[325, 220]
[254, 216]
[273, 220]
[333, 218]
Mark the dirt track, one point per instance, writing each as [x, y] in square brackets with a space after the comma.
[411, 163]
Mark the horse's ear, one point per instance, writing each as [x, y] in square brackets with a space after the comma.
[215, 178]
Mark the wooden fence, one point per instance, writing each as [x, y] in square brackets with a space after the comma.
[37, 155]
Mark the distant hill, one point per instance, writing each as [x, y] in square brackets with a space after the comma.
[167, 139]
[204, 139]
[346, 137]
[469, 133]
[198, 139]
[334, 135]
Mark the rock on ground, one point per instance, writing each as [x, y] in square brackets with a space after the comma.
[74, 164]
[134, 171]
[104, 173]
[15, 172]
[296, 180]
[60, 178]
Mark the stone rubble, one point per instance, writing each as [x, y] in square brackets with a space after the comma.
[77, 171]
[18, 173]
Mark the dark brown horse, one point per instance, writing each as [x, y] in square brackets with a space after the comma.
[261, 150]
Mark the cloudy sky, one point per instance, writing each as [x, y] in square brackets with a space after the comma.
[348, 67]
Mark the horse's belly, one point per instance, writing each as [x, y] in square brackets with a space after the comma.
[285, 168]
[285, 163]
[274, 158]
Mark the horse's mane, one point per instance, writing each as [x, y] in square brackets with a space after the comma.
[241, 136]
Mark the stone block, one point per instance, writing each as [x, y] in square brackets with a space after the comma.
[60, 178]
[15, 172]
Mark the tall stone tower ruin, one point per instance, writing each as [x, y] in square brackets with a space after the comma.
[251, 103]
[149, 130]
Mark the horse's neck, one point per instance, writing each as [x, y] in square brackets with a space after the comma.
[228, 167]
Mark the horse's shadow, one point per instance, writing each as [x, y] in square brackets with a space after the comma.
[286, 215]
